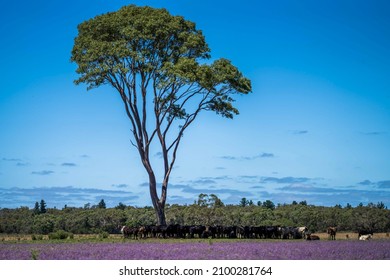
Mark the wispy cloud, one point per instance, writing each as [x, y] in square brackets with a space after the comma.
[203, 181]
[188, 188]
[284, 180]
[374, 133]
[215, 178]
[216, 191]
[59, 196]
[120, 186]
[69, 164]
[257, 187]
[18, 162]
[309, 188]
[365, 183]
[248, 179]
[12, 159]
[243, 158]
[158, 155]
[384, 184]
[229, 157]
[170, 186]
[327, 196]
[43, 172]
[380, 184]
[266, 155]
[295, 188]
[299, 132]
[220, 168]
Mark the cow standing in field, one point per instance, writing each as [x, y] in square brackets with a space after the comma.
[287, 232]
[302, 231]
[332, 232]
[128, 232]
[124, 231]
[197, 230]
[299, 232]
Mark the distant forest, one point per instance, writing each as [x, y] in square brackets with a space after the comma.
[206, 210]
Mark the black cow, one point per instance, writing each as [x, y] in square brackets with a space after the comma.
[198, 230]
[209, 231]
[287, 232]
[259, 232]
[173, 230]
[248, 232]
[272, 232]
[296, 233]
[240, 232]
[212, 231]
[184, 231]
[159, 231]
[226, 231]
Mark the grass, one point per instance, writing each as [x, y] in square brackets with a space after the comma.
[352, 236]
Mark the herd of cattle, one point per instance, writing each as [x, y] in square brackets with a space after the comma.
[199, 231]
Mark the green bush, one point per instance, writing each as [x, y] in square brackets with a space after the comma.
[103, 235]
[37, 237]
[60, 234]
[34, 254]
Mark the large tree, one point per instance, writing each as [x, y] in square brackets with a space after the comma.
[158, 64]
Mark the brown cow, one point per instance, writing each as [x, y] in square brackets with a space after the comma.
[312, 237]
[332, 233]
[129, 231]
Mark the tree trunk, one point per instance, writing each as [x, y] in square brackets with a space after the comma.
[158, 204]
[160, 214]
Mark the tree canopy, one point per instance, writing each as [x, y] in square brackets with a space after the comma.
[158, 64]
[95, 220]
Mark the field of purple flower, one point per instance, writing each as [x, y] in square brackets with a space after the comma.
[245, 250]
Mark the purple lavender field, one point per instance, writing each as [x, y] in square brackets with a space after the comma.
[323, 250]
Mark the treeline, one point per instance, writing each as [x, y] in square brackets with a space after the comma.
[207, 210]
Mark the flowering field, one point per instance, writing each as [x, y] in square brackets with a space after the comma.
[201, 250]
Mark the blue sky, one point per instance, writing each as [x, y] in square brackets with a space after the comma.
[316, 126]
